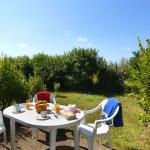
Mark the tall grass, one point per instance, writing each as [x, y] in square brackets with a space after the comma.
[133, 136]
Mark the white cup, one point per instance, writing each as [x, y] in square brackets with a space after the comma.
[16, 108]
[43, 114]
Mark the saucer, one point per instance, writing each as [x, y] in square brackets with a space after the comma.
[38, 117]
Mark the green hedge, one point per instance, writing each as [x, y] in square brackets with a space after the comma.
[74, 70]
[13, 85]
[78, 70]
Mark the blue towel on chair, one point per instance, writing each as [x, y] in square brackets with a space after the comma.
[110, 108]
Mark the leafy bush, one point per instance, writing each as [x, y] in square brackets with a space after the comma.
[95, 79]
[13, 84]
[81, 64]
[24, 64]
[44, 67]
[57, 87]
[35, 84]
[139, 79]
[79, 69]
[76, 70]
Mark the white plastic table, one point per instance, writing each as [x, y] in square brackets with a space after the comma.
[55, 122]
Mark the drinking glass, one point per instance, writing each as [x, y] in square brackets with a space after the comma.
[27, 104]
[57, 108]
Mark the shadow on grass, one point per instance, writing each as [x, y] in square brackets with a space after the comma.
[61, 135]
[106, 146]
[93, 92]
[21, 130]
[105, 93]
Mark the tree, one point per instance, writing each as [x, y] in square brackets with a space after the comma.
[44, 68]
[81, 64]
[24, 64]
[139, 79]
[13, 84]
[35, 85]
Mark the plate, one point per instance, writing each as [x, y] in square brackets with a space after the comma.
[38, 117]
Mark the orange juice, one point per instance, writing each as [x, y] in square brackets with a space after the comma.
[27, 105]
[57, 108]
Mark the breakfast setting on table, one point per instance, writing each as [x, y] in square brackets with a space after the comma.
[42, 112]
[45, 110]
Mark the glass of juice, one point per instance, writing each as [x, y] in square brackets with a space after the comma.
[27, 105]
[57, 108]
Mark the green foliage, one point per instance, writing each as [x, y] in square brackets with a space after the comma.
[72, 70]
[81, 64]
[95, 79]
[112, 79]
[13, 84]
[35, 84]
[42, 66]
[139, 79]
[123, 68]
[24, 64]
[49, 69]
[77, 70]
[57, 87]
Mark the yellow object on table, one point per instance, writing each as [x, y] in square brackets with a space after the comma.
[27, 105]
[68, 115]
[57, 108]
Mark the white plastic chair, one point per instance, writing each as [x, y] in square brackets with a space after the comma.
[52, 99]
[99, 128]
[2, 126]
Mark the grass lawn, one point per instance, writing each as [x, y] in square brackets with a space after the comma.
[132, 136]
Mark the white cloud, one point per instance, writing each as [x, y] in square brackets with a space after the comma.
[23, 45]
[81, 39]
[128, 48]
[83, 42]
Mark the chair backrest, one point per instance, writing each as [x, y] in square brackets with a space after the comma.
[103, 104]
[1, 119]
[45, 95]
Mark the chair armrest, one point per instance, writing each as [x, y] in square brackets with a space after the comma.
[93, 110]
[98, 122]
[86, 112]
[101, 121]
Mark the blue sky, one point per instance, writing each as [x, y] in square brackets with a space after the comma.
[28, 27]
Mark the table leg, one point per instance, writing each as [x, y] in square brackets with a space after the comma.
[35, 133]
[12, 134]
[52, 134]
[76, 136]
